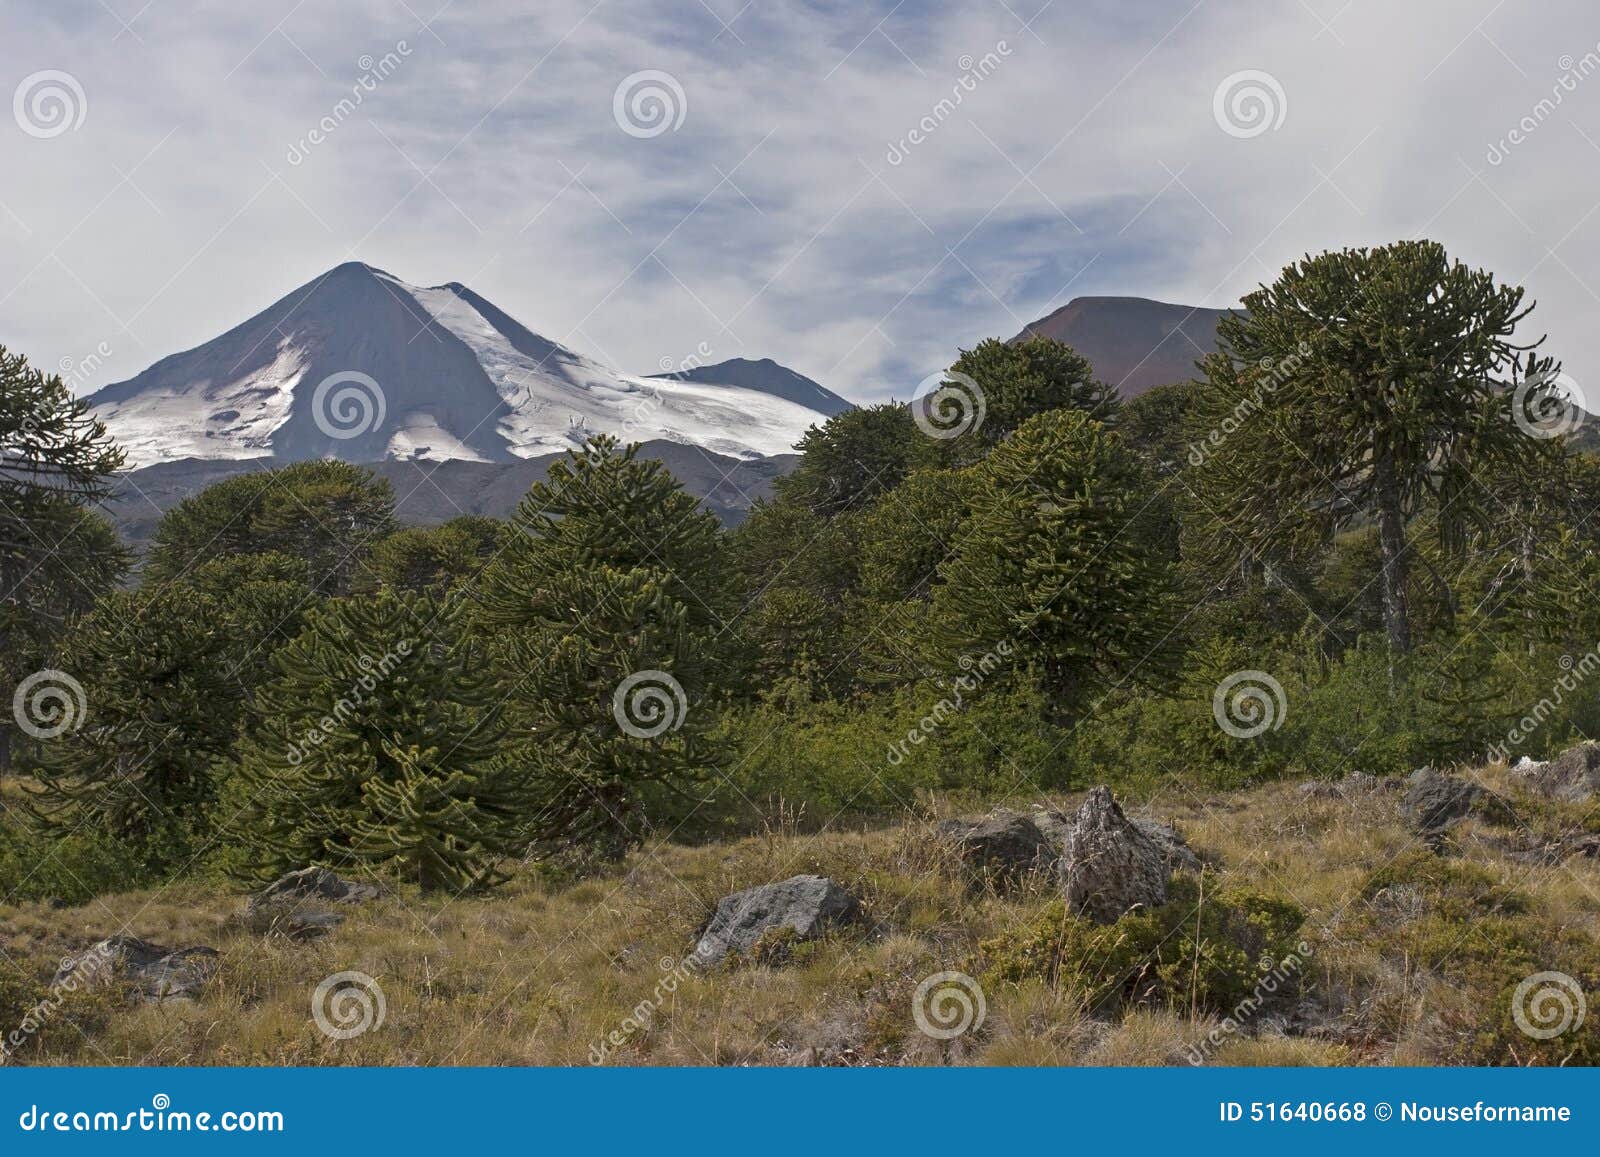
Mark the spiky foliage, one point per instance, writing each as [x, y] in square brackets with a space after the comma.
[158, 707]
[852, 458]
[1367, 383]
[610, 607]
[326, 513]
[372, 748]
[1054, 560]
[56, 555]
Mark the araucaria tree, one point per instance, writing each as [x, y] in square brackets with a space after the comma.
[56, 555]
[1367, 384]
[1055, 558]
[610, 607]
[374, 747]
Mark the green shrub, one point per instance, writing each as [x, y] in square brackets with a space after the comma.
[1194, 953]
[69, 869]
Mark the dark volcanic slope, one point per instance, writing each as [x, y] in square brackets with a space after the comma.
[428, 493]
[1132, 342]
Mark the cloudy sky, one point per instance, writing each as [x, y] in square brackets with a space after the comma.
[781, 207]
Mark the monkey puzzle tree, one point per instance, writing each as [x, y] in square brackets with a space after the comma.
[610, 606]
[1365, 384]
[56, 555]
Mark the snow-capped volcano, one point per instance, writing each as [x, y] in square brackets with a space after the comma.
[360, 365]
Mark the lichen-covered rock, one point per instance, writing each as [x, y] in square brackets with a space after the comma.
[1005, 843]
[314, 883]
[1110, 866]
[1175, 850]
[152, 972]
[1434, 800]
[295, 904]
[805, 905]
[1573, 776]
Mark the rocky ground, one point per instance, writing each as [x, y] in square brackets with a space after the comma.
[1451, 917]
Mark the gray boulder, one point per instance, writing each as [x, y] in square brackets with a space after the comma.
[1004, 843]
[1110, 865]
[1434, 801]
[805, 905]
[314, 884]
[1573, 776]
[1175, 850]
[295, 904]
[152, 972]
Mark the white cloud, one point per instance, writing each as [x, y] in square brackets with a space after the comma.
[1087, 161]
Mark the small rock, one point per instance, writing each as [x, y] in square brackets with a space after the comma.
[806, 905]
[155, 973]
[1434, 800]
[293, 904]
[1111, 866]
[1175, 850]
[1357, 783]
[314, 883]
[1005, 843]
[1572, 777]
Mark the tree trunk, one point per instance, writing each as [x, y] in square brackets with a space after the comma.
[1392, 544]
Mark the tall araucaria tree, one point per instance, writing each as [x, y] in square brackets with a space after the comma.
[1365, 384]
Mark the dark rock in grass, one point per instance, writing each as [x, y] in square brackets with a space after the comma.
[1435, 801]
[1572, 777]
[314, 883]
[805, 906]
[1005, 844]
[1175, 850]
[1110, 866]
[154, 973]
[293, 905]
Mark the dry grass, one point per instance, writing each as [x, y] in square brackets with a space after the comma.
[540, 973]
